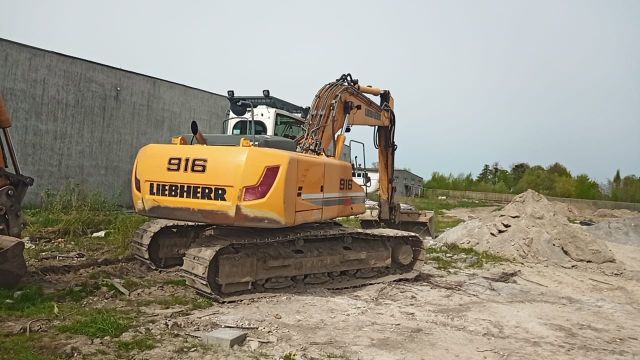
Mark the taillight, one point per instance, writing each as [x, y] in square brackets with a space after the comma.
[261, 189]
[136, 181]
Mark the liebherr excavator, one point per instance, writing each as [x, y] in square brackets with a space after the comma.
[250, 214]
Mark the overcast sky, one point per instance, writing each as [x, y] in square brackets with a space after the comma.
[474, 81]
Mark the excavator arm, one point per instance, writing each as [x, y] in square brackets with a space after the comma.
[342, 104]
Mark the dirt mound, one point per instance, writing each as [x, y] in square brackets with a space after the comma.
[615, 213]
[622, 231]
[531, 229]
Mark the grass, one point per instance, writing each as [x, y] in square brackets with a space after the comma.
[351, 221]
[193, 303]
[97, 324]
[175, 282]
[330, 355]
[23, 347]
[437, 205]
[139, 343]
[74, 214]
[289, 356]
[444, 223]
[445, 257]
[30, 301]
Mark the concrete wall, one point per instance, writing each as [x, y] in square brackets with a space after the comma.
[505, 198]
[80, 122]
[407, 183]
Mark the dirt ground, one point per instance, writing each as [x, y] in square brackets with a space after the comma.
[535, 311]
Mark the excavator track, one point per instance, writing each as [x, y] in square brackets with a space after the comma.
[232, 264]
[161, 243]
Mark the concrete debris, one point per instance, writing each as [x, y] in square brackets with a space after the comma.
[225, 337]
[119, 287]
[100, 233]
[531, 229]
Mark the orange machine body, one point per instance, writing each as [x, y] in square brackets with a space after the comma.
[243, 185]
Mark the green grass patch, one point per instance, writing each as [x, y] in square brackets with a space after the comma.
[74, 214]
[331, 355]
[166, 302]
[97, 324]
[138, 343]
[31, 301]
[23, 347]
[175, 282]
[28, 301]
[351, 221]
[444, 223]
[437, 205]
[452, 256]
[289, 356]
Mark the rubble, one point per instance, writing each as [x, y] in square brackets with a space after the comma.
[225, 337]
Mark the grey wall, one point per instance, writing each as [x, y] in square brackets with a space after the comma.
[407, 183]
[71, 124]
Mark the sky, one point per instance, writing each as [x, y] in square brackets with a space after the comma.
[474, 82]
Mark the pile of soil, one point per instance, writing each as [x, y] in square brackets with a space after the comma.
[622, 231]
[531, 229]
[615, 213]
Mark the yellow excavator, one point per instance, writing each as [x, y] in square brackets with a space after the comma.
[251, 214]
[13, 187]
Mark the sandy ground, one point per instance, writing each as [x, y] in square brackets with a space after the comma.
[543, 312]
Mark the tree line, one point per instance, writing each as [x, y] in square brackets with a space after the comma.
[554, 180]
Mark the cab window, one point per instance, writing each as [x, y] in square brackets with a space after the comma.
[288, 127]
[243, 127]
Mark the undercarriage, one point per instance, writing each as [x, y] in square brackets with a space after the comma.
[230, 263]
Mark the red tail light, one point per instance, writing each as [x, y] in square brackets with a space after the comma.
[136, 180]
[265, 184]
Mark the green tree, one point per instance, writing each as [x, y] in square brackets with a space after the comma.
[559, 170]
[485, 174]
[517, 172]
[586, 188]
[563, 186]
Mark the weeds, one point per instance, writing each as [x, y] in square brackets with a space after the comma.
[289, 356]
[176, 300]
[444, 223]
[437, 205]
[73, 214]
[452, 256]
[97, 324]
[351, 221]
[25, 302]
[23, 347]
[175, 282]
[31, 301]
[138, 343]
[330, 355]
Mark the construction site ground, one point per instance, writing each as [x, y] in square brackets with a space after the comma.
[461, 306]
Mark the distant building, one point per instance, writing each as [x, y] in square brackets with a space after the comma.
[406, 182]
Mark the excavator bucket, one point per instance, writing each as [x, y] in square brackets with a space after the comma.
[12, 263]
[421, 223]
